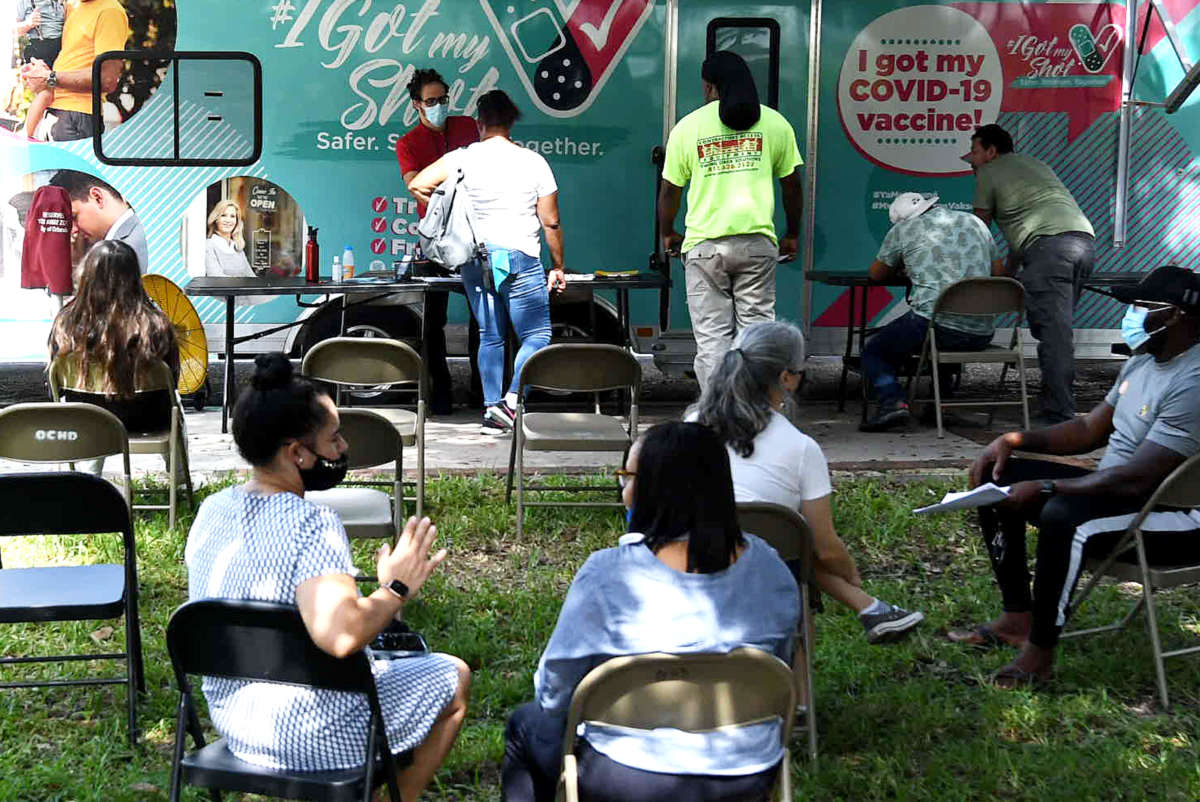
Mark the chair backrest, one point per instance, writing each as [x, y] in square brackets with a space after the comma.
[372, 438]
[692, 692]
[1180, 489]
[995, 295]
[62, 503]
[66, 432]
[64, 374]
[582, 367]
[784, 528]
[364, 361]
[256, 640]
[149, 411]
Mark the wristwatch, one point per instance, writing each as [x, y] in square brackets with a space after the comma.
[52, 79]
[1048, 488]
[397, 589]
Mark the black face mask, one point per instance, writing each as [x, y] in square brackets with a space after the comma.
[324, 473]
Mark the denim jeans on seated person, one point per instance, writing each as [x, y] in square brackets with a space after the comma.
[885, 352]
[522, 299]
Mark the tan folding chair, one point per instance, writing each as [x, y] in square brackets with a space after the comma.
[169, 441]
[976, 296]
[573, 368]
[63, 432]
[376, 364]
[364, 511]
[690, 692]
[790, 535]
[1180, 490]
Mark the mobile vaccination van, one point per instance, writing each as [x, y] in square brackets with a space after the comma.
[288, 111]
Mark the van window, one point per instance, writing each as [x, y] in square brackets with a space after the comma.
[206, 113]
[756, 39]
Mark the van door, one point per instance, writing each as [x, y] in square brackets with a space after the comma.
[772, 38]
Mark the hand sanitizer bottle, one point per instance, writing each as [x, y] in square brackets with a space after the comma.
[338, 275]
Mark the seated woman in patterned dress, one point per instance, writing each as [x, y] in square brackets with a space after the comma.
[264, 541]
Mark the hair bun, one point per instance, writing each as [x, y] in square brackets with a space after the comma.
[271, 371]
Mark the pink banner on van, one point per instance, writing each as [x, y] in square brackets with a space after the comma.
[1058, 57]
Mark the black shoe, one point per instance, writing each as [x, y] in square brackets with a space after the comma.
[493, 429]
[888, 417]
[892, 625]
[502, 414]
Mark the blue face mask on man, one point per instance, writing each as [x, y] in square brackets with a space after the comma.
[437, 114]
[1133, 327]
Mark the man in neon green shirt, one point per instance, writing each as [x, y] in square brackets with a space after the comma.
[730, 152]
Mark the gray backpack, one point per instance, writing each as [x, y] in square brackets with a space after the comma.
[446, 234]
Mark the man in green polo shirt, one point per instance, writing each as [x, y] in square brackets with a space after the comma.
[1050, 241]
[730, 152]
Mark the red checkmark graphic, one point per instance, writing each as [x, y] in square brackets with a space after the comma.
[379, 225]
[379, 204]
[378, 245]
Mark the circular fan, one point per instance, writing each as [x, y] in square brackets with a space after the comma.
[193, 345]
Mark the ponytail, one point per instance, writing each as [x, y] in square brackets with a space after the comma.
[736, 404]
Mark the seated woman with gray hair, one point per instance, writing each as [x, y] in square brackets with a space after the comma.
[773, 461]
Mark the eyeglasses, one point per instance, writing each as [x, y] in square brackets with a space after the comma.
[430, 102]
[624, 477]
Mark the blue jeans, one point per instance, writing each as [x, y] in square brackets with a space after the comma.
[886, 351]
[522, 299]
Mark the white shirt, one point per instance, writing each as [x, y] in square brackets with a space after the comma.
[221, 258]
[504, 182]
[787, 467]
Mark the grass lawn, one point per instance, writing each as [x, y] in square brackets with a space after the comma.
[910, 721]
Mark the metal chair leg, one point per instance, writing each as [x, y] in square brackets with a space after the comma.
[937, 392]
[512, 457]
[519, 454]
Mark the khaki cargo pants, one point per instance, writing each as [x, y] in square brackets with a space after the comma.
[730, 284]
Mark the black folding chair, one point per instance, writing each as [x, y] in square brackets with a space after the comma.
[72, 504]
[267, 642]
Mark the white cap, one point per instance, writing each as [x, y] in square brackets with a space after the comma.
[908, 205]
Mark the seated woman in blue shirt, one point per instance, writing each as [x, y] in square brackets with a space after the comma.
[686, 579]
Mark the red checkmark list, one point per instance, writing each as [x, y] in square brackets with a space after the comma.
[379, 225]
[378, 245]
[379, 204]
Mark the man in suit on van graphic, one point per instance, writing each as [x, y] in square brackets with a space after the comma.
[101, 213]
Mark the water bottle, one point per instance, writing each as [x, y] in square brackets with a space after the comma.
[338, 275]
[348, 262]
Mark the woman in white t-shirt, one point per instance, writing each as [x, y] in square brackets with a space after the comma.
[774, 461]
[513, 196]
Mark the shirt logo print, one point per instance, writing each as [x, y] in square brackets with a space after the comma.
[730, 153]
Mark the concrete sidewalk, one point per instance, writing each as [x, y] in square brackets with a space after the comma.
[454, 444]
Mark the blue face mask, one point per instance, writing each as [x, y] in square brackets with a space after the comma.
[628, 518]
[437, 115]
[1133, 327]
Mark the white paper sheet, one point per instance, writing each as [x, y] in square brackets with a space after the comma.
[981, 496]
